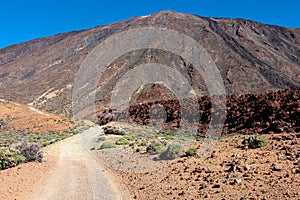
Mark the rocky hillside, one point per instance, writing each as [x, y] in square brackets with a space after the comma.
[253, 58]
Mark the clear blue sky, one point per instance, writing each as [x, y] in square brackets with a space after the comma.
[23, 20]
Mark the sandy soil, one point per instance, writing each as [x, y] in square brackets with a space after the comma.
[23, 181]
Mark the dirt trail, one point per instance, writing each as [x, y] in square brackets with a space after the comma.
[79, 175]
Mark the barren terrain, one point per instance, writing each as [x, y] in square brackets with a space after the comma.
[259, 66]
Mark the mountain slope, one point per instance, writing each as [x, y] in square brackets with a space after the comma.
[251, 57]
[24, 123]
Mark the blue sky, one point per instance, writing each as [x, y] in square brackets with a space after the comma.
[23, 20]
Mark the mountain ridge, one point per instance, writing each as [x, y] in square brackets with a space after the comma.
[251, 57]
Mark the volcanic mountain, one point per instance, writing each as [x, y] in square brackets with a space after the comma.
[252, 58]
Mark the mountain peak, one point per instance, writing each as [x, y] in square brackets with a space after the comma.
[251, 57]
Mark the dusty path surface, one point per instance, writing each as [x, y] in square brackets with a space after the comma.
[78, 174]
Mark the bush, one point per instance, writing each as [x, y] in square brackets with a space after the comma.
[168, 137]
[129, 137]
[122, 141]
[255, 141]
[100, 139]
[173, 151]
[9, 157]
[107, 145]
[31, 152]
[198, 138]
[191, 152]
[45, 143]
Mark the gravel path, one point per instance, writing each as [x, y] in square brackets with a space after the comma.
[79, 175]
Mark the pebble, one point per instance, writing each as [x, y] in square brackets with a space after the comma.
[278, 168]
[237, 180]
[203, 185]
[248, 167]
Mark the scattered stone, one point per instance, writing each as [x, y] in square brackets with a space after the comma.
[197, 170]
[248, 167]
[287, 137]
[297, 163]
[113, 130]
[203, 185]
[93, 148]
[277, 167]
[154, 148]
[237, 180]
[216, 186]
[232, 167]
[173, 151]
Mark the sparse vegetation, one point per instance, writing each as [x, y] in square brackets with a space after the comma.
[129, 137]
[143, 143]
[191, 152]
[45, 143]
[154, 147]
[10, 157]
[31, 152]
[107, 145]
[11, 136]
[101, 138]
[198, 138]
[255, 141]
[167, 137]
[122, 141]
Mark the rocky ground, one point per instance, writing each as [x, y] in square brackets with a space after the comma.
[274, 112]
[229, 171]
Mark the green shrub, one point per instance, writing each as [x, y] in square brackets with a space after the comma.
[168, 137]
[100, 139]
[9, 157]
[191, 152]
[45, 143]
[157, 148]
[255, 141]
[107, 145]
[129, 137]
[122, 141]
[198, 138]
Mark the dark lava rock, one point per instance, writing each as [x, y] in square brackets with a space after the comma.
[203, 185]
[216, 186]
[113, 130]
